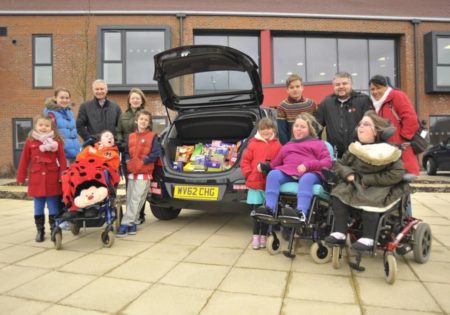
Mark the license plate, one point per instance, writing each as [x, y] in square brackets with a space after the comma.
[196, 192]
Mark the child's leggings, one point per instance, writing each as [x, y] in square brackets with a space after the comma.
[136, 194]
[53, 204]
[305, 189]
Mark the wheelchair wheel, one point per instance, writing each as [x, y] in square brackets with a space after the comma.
[320, 253]
[390, 268]
[58, 240]
[74, 228]
[108, 238]
[422, 243]
[273, 245]
[118, 208]
[335, 257]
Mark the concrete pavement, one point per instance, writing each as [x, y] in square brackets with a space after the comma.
[202, 263]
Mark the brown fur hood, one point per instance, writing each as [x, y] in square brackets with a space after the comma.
[50, 103]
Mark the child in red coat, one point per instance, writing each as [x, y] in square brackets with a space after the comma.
[261, 149]
[43, 155]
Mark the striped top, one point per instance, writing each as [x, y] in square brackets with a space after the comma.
[289, 109]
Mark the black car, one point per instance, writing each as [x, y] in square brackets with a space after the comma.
[437, 158]
[222, 108]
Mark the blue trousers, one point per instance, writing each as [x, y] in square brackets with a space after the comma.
[53, 203]
[304, 195]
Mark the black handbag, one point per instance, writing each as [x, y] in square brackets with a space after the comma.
[419, 142]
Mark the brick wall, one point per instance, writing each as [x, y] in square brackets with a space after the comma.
[69, 42]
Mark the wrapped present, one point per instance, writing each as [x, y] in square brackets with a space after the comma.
[190, 167]
[183, 153]
[197, 151]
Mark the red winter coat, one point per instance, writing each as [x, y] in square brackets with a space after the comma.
[258, 150]
[406, 126]
[44, 172]
[139, 147]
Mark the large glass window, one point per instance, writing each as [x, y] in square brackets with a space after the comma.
[443, 61]
[42, 61]
[21, 128]
[226, 80]
[127, 53]
[437, 62]
[317, 59]
[289, 60]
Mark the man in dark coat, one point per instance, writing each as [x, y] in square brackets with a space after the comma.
[341, 112]
[99, 114]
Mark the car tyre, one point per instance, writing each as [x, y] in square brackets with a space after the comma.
[164, 213]
[431, 166]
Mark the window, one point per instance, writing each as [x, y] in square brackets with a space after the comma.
[226, 80]
[21, 128]
[42, 61]
[437, 61]
[126, 55]
[159, 123]
[317, 59]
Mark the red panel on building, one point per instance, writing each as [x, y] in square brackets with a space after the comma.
[274, 95]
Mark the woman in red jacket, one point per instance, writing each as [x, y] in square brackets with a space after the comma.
[262, 148]
[394, 105]
[43, 155]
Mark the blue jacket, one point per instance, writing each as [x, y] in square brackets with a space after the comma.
[66, 124]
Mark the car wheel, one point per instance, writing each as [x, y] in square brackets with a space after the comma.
[164, 213]
[431, 167]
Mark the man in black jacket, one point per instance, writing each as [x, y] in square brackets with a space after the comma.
[341, 112]
[98, 114]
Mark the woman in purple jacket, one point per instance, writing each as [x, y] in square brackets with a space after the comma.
[301, 159]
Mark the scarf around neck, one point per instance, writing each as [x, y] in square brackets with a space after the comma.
[377, 104]
[48, 143]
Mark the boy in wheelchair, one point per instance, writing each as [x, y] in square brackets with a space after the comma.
[92, 177]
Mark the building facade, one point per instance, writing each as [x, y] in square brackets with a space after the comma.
[71, 43]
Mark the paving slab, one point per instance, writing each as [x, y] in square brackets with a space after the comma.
[169, 300]
[202, 263]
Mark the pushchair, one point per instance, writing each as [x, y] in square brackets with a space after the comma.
[97, 193]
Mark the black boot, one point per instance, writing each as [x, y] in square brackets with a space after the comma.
[51, 222]
[39, 220]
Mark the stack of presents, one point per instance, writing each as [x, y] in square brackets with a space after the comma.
[214, 157]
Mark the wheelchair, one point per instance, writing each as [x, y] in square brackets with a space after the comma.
[316, 227]
[397, 234]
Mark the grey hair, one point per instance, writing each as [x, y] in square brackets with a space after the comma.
[343, 74]
[100, 81]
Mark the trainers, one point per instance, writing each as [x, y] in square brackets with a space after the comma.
[132, 229]
[123, 229]
[255, 241]
[362, 245]
[141, 220]
[262, 241]
[331, 240]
